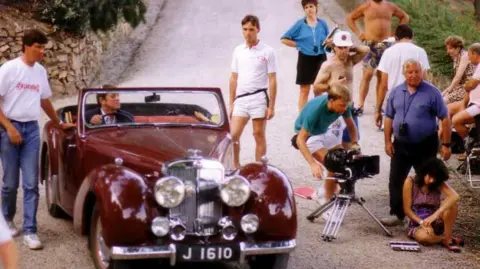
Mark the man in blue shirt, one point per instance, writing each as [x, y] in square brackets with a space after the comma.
[312, 124]
[412, 111]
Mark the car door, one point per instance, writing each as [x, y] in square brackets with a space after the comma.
[69, 165]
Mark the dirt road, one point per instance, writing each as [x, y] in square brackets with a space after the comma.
[191, 45]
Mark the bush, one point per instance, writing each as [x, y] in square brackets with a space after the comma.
[76, 16]
[66, 15]
[433, 21]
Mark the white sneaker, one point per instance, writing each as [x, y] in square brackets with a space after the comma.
[13, 229]
[32, 241]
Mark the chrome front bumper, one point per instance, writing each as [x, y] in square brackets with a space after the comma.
[169, 252]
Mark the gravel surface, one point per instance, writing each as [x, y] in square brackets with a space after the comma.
[192, 45]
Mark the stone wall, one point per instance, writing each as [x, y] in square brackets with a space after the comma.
[72, 62]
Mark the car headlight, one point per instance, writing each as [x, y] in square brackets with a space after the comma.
[249, 223]
[160, 226]
[236, 191]
[169, 192]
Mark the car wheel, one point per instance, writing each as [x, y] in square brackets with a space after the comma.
[99, 251]
[50, 186]
[276, 261]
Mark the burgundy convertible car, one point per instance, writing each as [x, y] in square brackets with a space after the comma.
[160, 184]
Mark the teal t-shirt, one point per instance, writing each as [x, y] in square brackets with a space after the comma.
[315, 117]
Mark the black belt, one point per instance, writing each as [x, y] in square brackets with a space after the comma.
[255, 92]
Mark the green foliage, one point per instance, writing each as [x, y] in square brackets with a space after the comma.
[65, 15]
[104, 14]
[433, 21]
[99, 15]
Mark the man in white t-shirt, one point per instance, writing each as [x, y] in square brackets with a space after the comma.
[471, 107]
[24, 89]
[391, 65]
[254, 68]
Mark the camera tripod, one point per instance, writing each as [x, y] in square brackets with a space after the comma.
[340, 203]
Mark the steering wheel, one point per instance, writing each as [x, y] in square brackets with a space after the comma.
[118, 114]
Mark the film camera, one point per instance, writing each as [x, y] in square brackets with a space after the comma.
[351, 165]
[347, 166]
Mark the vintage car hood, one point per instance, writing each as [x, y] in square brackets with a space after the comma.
[155, 145]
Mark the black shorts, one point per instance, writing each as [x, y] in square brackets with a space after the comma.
[307, 68]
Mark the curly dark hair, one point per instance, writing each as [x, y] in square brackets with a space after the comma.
[435, 168]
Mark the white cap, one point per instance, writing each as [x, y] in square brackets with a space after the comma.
[342, 39]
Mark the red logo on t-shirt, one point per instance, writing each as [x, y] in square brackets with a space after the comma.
[28, 87]
[262, 58]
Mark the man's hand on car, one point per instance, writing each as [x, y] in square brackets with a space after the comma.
[96, 119]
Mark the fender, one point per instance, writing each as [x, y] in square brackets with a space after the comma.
[50, 145]
[272, 200]
[121, 196]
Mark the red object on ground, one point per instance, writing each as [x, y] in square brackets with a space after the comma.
[304, 192]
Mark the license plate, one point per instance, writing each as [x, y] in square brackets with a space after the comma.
[208, 253]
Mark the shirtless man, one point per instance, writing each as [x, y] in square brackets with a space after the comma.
[339, 69]
[377, 16]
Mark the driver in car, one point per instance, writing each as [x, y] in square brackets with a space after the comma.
[109, 111]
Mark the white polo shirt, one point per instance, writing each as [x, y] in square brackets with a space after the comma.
[253, 66]
[21, 88]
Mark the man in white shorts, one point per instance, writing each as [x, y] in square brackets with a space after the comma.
[315, 134]
[254, 68]
[472, 101]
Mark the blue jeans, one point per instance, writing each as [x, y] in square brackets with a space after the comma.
[22, 157]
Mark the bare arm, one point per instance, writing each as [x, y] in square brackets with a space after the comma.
[461, 69]
[355, 15]
[407, 200]
[352, 129]
[361, 51]
[446, 130]
[5, 122]
[321, 81]
[289, 42]
[233, 87]
[451, 198]
[50, 111]
[9, 255]
[272, 83]
[388, 130]
[302, 146]
[401, 15]
[383, 88]
[471, 84]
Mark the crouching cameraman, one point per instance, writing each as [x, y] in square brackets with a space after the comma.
[311, 127]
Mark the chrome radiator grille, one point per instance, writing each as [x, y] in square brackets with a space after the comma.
[200, 210]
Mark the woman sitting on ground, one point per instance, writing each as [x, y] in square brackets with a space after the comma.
[431, 219]
[463, 70]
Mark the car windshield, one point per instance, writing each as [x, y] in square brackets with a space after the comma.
[180, 107]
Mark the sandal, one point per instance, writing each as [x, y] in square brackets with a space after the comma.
[451, 247]
[458, 241]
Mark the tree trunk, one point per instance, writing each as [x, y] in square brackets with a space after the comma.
[477, 9]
